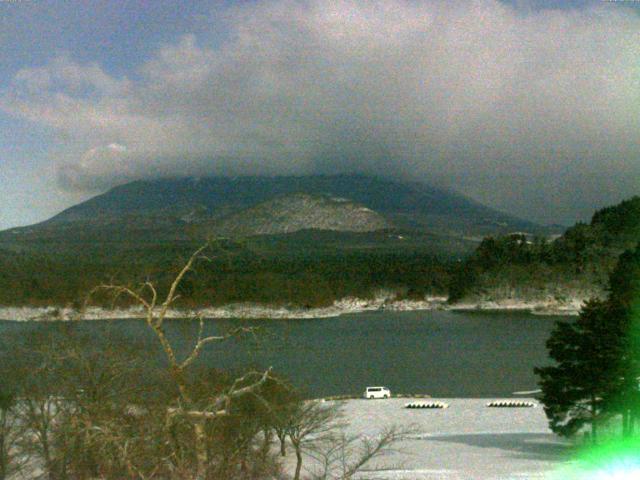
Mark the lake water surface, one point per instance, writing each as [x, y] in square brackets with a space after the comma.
[441, 353]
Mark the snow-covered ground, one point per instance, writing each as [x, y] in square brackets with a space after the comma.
[547, 306]
[466, 441]
[247, 310]
[238, 310]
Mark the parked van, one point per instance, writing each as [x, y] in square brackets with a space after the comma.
[377, 392]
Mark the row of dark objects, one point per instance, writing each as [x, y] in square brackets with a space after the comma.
[496, 404]
[426, 405]
[511, 404]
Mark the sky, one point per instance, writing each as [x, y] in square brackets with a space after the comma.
[531, 107]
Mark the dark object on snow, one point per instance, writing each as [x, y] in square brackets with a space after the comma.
[511, 404]
[426, 405]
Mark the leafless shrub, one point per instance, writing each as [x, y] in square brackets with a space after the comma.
[12, 459]
[346, 456]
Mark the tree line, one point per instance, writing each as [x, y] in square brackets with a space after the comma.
[585, 254]
[310, 279]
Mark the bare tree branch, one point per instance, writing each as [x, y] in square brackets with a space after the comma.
[171, 295]
[119, 290]
[201, 342]
[154, 293]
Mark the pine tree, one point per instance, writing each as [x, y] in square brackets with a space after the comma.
[597, 358]
[624, 303]
[576, 390]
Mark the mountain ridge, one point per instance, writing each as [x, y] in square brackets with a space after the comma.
[171, 201]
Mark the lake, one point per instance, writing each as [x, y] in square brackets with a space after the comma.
[441, 353]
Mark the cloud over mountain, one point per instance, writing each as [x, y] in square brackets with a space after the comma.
[451, 92]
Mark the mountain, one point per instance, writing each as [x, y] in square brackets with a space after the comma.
[306, 241]
[247, 204]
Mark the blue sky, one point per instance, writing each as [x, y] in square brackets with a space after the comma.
[128, 55]
[115, 34]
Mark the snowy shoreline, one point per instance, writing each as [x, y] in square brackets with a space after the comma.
[254, 311]
[536, 307]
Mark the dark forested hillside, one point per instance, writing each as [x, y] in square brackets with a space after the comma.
[578, 261]
[308, 268]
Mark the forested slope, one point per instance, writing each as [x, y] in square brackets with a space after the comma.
[305, 269]
[575, 265]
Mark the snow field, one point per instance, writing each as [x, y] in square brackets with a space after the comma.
[466, 441]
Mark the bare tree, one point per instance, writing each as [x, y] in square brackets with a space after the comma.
[285, 407]
[346, 455]
[70, 389]
[243, 442]
[188, 409]
[310, 425]
[11, 458]
[38, 414]
[40, 407]
[316, 429]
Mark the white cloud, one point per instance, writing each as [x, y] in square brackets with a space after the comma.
[440, 91]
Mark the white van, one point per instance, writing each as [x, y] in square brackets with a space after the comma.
[377, 392]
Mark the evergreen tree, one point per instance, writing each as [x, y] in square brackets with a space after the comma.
[576, 390]
[624, 303]
[597, 358]
[624, 283]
